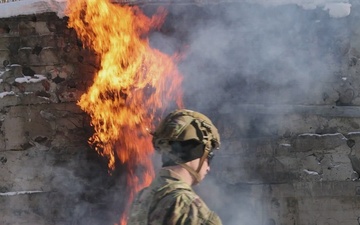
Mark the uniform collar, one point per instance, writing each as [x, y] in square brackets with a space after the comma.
[168, 173]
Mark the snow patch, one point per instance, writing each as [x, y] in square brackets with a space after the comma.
[18, 193]
[28, 79]
[321, 135]
[29, 7]
[336, 8]
[285, 145]
[310, 172]
[5, 93]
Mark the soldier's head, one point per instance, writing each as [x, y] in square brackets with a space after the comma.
[185, 136]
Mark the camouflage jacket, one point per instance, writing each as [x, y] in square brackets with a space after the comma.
[169, 201]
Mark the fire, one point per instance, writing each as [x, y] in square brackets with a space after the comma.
[132, 87]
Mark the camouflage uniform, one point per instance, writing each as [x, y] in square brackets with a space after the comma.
[169, 201]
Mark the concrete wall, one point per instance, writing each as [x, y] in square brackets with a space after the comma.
[49, 175]
[289, 150]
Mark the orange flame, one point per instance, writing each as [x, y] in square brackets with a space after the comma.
[132, 87]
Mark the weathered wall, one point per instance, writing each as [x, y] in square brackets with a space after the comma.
[282, 83]
[286, 158]
[294, 158]
[48, 174]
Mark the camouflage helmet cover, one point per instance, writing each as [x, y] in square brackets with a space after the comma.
[183, 125]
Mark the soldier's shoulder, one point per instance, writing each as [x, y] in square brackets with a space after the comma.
[191, 201]
[189, 197]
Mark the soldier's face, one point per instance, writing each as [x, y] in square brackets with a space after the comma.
[204, 169]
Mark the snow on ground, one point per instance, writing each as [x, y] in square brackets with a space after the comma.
[336, 8]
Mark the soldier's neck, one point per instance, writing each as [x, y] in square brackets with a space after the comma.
[183, 174]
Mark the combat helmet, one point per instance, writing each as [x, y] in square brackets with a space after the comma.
[185, 135]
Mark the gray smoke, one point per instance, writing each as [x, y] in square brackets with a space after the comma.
[240, 56]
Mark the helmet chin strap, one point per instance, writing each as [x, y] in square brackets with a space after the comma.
[192, 172]
[195, 173]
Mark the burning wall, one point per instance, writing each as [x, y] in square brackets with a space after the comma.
[283, 91]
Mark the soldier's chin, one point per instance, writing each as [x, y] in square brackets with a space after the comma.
[203, 177]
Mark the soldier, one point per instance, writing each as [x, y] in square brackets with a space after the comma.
[186, 140]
